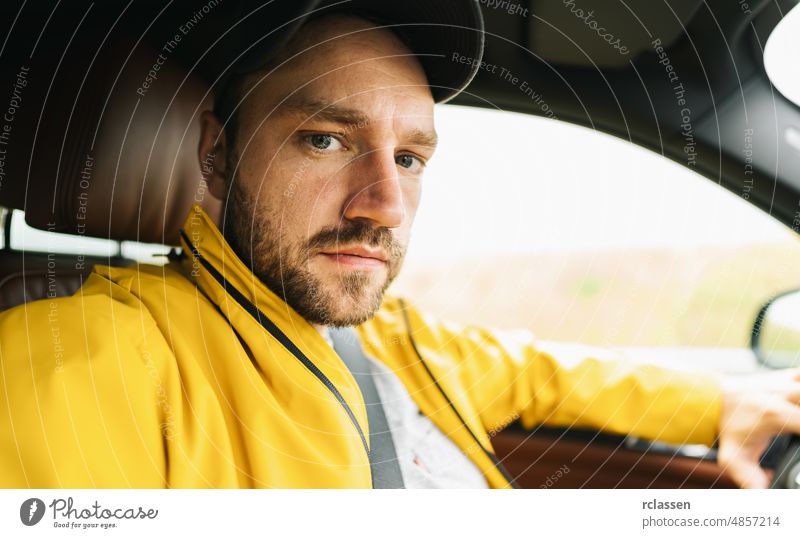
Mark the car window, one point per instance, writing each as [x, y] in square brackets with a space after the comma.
[533, 223]
[27, 238]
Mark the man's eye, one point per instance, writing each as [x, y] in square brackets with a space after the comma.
[323, 142]
[410, 162]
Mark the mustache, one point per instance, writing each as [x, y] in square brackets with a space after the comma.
[356, 232]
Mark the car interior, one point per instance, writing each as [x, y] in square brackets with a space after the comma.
[95, 150]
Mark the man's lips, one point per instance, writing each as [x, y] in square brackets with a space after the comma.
[357, 257]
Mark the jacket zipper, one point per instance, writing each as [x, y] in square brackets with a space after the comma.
[279, 335]
[491, 456]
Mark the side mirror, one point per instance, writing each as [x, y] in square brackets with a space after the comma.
[776, 332]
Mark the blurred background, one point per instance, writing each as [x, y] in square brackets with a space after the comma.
[577, 235]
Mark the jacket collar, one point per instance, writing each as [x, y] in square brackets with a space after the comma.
[223, 277]
[201, 234]
[251, 309]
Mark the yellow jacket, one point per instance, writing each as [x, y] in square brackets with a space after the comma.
[196, 375]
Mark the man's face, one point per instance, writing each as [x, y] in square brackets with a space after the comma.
[325, 178]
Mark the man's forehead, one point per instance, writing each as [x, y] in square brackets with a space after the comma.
[356, 108]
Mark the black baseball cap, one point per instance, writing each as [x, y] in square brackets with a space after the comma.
[446, 35]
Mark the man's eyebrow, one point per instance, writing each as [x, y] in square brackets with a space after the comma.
[325, 111]
[350, 118]
[427, 139]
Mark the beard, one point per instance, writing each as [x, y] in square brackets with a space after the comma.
[351, 299]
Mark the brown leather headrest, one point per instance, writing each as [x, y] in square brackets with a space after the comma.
[105, 143]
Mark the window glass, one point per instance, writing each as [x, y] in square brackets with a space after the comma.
[580, 236]
[24, 237]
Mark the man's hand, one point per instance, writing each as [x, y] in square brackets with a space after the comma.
[754, 409]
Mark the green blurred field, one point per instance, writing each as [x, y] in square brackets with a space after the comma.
[650, 297]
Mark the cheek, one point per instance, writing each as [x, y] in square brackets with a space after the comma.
[307, 203]
[412, 195]
[285, 184]
[275, 166]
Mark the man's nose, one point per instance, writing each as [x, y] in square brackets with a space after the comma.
[376, 191]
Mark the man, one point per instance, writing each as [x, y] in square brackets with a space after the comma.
[218, 370]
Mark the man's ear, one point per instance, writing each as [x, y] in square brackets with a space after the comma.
[212, 153]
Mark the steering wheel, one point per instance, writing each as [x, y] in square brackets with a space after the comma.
[787, 468]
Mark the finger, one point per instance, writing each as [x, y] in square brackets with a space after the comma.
[791, 388]
[780, 379]
[791, 412]
[746, 472]
[791, 373]
[788, 375]
[780, 418]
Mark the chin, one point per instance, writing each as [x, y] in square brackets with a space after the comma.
[347, 309]
[341, 296]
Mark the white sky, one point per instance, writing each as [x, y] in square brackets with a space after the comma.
[505, 182]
